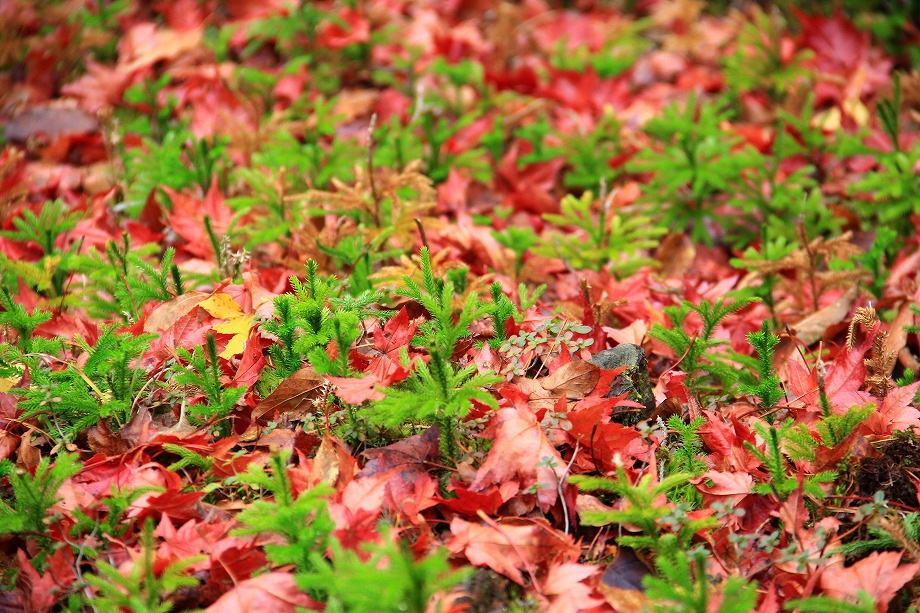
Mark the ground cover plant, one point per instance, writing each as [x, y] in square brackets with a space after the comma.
[302, 306]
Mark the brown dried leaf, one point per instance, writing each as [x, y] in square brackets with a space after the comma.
[171, 311]
[101, 439]
[301, 388]
[325, 466]
[574, 379]
[812, 328]
[621, 583]
[675, 253]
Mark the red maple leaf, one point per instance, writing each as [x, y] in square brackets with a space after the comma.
[172, 502]
[187, 219]
[521, 452]
[396, 334]
[467, 502]
[276, 592]
[44, 590]
[880, 575]
[511, 547]
[565, 588]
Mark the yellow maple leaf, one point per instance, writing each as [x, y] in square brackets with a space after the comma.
[223, 306]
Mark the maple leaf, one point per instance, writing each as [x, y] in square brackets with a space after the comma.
[350, 28]
[396, 334]
[145, 44]
[729, 488]
[510, 547]
[565, 589]
[44, 590]
[403, 466]
[879, 574]
[252, 361]
[238, 324]
[521, 452]
[275, 591]
[467, 502]
[357, 390]
[299, 392]
[172, 502]
[169, 312]
[101, 87]
[898, 407]
[191, 539]
[187, 219]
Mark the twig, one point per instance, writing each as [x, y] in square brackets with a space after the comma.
[565, 507]
[370, 167]
[421, 231]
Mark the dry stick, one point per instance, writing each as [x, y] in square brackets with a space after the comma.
[421, 231]
[681, 358]
[591, 447]
[527, 565]
[370, 168]
[565, 507]
[812, 265]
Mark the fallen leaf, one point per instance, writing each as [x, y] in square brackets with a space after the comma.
[276, 592]
[621, 584]
[675, 254]
[728, 488]
[521, 452]
[298, 390]
[566, 590]
[325, 467]
[810, 329]
[50, 121]
[574, 379]
[146, 44]
[511, 547]
[238, 324]
[357, 390]
[880, 574]
[168, 313]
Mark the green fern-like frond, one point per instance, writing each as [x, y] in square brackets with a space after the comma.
[767, 387]
[187, 458]
[143, 589]
[302, 522]
[600, 239]
[34, 494]
[704, 355]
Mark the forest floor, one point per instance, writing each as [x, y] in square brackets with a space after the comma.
[302, 306]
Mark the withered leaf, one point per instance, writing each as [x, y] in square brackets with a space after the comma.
[101, 439]
[675, 253]
[621, 583]
[301, 388]
[574, 379]
[170, 311]
[812, 328]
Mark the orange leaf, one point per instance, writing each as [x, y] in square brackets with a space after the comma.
[238, 324]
